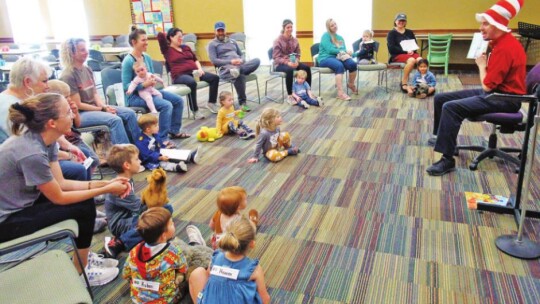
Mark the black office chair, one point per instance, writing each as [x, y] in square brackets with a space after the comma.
[506, 123]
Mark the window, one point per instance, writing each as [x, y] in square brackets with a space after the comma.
[20, 13]
[68, 19]
[263, 26]
[352, 18]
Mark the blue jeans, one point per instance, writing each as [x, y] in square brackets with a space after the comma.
[73, 171]
[131, 237]
[170, 108]
[453, 107]
[308, 99]
[124, 116]
[337, 65]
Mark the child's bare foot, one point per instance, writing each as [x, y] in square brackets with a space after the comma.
[254, 217]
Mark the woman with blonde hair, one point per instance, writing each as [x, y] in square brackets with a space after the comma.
[334, 55]
[274, 144]
[39, 194]
[122, 121]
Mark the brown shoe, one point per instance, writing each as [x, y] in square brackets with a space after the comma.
[254, 217]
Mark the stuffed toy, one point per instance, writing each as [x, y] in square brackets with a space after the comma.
[155, 194]
[196, 256]
[208, 134]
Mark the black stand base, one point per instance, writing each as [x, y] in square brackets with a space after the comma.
[524, 249]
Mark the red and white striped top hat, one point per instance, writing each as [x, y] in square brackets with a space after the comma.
[500, 14]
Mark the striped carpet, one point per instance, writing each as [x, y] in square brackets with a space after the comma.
[354, 218]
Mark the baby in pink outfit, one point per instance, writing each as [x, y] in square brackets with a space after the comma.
[142, 76]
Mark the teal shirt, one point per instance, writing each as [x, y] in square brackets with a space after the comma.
[327, 49]
[127, 70]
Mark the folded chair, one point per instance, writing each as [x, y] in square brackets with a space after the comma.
[506, 123]
[47, 278]
[274, 75]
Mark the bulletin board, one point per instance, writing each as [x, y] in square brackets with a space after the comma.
[153, 16]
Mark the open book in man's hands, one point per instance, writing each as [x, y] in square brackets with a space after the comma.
[478, 46]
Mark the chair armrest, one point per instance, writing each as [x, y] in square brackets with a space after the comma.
[510, 97]
[67, 228]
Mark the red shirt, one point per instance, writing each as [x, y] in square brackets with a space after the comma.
[179, 63]
[506, 67]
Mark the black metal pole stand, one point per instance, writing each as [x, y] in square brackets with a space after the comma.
[517, 245]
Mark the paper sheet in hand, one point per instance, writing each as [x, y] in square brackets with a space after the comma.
[87, 163]
[175, 155]
[478, 46]
[409, 45]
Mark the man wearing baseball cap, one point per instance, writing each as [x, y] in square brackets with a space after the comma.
[228, 58]
[503, 71]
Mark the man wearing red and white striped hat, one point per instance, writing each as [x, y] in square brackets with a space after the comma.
[502, 71]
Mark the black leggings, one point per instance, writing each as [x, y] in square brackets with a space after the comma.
[44, 213]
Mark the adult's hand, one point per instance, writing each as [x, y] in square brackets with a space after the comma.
[410, 52]
[79, 155]
[481, 61]
[150, 82]
[118, 188]
[110, 109]
[201, 72]
[292, 64]
[236, 61]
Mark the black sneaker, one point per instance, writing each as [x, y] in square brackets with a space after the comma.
[443, 166]
[181, 167]
[113, 247]
[431, 142]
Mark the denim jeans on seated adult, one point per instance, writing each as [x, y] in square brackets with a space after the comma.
[337, 65]
[170, 108]
[289, 72]
[213, 82]
[115, 123]
[131, 237]
[73, 171]
[240, 82]
[454, 107]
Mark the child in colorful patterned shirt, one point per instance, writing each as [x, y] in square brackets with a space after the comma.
[155, 267]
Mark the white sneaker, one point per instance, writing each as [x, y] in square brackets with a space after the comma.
[304, 104]
[197, 115]
[290, 100]
[194, 235]
[234, 72]
[197, 155]
[100, 276]
[212, 107]
[321, 101]
[98, 261]
[100, 224]
[100, 214]
[181, 167]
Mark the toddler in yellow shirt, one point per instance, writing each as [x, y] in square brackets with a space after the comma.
[228, 122]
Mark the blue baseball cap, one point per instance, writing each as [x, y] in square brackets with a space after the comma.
[220, 25]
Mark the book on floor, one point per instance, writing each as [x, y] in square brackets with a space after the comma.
[474, 198]
[176, 155]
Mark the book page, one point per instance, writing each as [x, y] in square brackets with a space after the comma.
[409, 45]
[175, 154]
[478, 46]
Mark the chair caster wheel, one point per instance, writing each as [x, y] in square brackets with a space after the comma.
[473, 166]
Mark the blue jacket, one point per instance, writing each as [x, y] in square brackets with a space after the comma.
[430, 79]
[147, 154]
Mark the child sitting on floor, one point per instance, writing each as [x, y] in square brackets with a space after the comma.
[227, 122]
[366, 49]
[150, 144]
[302, 94]
[275, 145]
[423, 81]
[230, 202]
[232, 277]
[123, 213]
[154, 268]
[146, 93]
